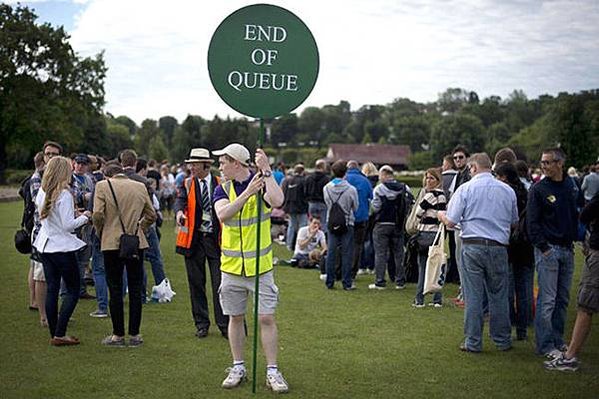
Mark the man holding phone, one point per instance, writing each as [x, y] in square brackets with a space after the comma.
[198, 239]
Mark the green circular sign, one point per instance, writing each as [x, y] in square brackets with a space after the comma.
[263, 61]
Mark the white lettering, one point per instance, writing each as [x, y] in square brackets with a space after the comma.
[250, 32]
[234, 85]
[279, 34]
[272, 55]
[247, 75]
[291, 82]
[262, 55]
[264, 83]
[274, 82]
[264, 32]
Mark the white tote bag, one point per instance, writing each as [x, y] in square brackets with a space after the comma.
[436, 263]
[163, 292]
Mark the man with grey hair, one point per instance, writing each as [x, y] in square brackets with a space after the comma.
[552, 223]
[486, 209]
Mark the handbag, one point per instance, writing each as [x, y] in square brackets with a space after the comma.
[23, 241]
[128, 243]
[412, 221]
[436, 263]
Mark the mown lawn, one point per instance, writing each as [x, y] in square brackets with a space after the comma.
[333, 344]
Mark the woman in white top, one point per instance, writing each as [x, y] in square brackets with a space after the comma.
[57, 246]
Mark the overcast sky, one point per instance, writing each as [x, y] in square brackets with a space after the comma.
[370, 51]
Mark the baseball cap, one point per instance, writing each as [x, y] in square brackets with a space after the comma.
[235, 151]
[81, 158]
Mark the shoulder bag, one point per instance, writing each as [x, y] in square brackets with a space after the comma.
[128, 243]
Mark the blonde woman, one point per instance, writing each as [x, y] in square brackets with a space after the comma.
[58, 246]
[432, 202]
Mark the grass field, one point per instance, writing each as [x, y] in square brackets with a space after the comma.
[333, 344]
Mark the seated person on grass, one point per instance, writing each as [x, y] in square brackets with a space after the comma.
[307, 254]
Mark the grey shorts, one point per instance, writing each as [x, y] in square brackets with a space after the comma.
[235, 290]
[588, 290]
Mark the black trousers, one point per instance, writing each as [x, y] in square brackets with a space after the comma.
[114, 266]
[206, 249]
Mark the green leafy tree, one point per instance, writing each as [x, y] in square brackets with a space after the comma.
[167, 126]
[145, 135]
[284, 129]
[157, 149]
[46, 90]
[452, 130]
[118, 137]
[128, 123]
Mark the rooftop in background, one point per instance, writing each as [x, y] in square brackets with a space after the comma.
[380, 154]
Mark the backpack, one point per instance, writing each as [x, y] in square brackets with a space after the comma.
[28, 205]
[337, 223]
[403, 206]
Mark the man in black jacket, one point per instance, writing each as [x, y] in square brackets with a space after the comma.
[552, 224]
[296, 205]
[198, 240]
[588, 293]
[313, 191]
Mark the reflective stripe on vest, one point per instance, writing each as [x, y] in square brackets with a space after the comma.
[185, 233]
[238, 240]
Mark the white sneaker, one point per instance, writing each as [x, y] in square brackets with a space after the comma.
[276, 382]
[417, 305]
[435, 305]
[237, 374]
[361, 272]
[370, 271]
[375, 287]
[554, 354]
[323, 277]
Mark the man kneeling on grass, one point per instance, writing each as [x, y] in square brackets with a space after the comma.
[307, 254]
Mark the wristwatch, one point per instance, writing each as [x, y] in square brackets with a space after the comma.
[268, 173]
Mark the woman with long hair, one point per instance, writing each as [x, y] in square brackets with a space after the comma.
[433, 201]
[58, 246]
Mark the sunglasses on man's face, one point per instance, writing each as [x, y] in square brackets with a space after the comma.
[458, 157]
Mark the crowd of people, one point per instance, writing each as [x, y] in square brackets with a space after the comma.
[102, 219]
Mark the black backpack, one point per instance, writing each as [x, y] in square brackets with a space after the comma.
[23, 236]
[400, 206]
[337, 223]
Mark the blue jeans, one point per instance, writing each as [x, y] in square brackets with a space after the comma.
[296, 221]
[346, 241]
[437, 296]
[555, 278]
[486, 265]
[99, 275]
[153, 255]
[56, 266]
[521, 297]
[319, 209]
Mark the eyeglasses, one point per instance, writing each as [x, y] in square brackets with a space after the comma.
[458, 157]
[548, 162]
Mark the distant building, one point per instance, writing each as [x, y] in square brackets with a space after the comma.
[396, 156]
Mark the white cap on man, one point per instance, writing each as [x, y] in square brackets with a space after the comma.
[235, 151]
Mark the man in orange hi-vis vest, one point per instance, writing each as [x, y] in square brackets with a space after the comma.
[198, 240]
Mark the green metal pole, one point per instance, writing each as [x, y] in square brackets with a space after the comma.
[257, 279]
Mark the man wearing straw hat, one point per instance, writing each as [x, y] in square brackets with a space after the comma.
[197, 239]
[236, 204]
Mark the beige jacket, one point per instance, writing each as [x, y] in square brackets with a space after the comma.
[136, 210]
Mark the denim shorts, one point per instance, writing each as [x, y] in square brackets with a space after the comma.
[588, 290]
[235, 290]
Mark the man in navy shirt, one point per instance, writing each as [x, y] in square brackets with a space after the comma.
[552, 225]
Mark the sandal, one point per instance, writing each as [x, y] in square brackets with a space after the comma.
[34, 308]
[44, 323]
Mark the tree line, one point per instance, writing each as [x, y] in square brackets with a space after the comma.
[48, 91]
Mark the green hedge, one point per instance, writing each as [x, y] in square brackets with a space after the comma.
[14, 177]
[412, 181]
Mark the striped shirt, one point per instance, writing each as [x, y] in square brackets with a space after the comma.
[432, 202]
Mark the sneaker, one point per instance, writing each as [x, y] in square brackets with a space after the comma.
[400, 287]
[563, 348]
[323, 277]
[376, 287]
[110, 341]
[436, 305]
[99, 314]
[554, 354]
[417, 305]
[236, 375]
[561, 364]
[370, 271]
[276, 382]
[136, 340]
[361, 272]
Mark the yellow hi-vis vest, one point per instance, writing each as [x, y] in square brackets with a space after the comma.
[238, 239]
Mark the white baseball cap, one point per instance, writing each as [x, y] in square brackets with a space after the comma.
[235, 151]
